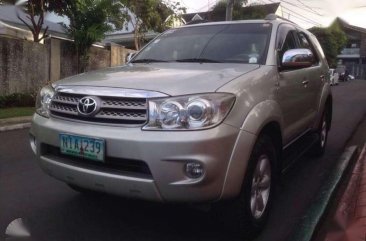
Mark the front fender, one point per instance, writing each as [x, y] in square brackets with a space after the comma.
[263, 113]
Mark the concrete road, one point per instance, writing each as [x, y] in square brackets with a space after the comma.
[54, 212]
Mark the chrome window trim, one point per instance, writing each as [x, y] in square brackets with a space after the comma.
[108, 91]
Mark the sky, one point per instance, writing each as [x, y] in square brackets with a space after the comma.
[306, 13]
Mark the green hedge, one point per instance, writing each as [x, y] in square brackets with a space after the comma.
[17, 100]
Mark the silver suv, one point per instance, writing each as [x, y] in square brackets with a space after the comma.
[203, 113]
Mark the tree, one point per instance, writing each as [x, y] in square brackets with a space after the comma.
[332, 40]
[35, 10]
[339, 36]
[219, 11]
[35, 14]
[149, 15]
[90, 20]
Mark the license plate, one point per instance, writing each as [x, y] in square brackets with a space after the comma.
[81, 146]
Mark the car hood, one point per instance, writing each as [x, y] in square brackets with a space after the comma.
[167, 78]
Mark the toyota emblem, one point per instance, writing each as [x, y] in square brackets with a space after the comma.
[87, 105]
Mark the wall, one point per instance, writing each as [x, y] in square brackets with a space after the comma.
[64, 50]
[119, 53]
[25, 66]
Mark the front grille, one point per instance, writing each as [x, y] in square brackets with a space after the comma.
[119, 166]
[113, 110]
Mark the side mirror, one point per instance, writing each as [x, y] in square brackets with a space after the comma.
[297, 59]
[130, 56]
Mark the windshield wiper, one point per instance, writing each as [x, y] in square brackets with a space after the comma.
[148, 61]
[198, 60]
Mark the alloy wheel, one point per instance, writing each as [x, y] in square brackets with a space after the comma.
[261, 187]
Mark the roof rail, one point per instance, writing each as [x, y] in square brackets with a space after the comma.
[273, 16]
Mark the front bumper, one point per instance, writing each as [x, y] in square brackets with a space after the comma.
[164, 152]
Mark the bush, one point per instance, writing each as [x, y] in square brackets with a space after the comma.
[17, 100]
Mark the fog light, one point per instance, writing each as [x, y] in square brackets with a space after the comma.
[194, 170]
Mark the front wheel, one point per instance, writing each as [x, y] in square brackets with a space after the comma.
[247, 214]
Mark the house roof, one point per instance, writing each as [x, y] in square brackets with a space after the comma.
[9, 14]
[266, 8]
[346, 25]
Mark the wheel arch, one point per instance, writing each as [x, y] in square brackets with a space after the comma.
[325, 104]
[264, 118]
[273, 130]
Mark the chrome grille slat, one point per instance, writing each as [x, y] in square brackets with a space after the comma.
[121, 115]
[127, 105]
[113, 110]
[72, 110]
[66, 99]
[64, 102]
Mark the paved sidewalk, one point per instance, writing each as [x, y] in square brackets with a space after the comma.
[15, 123]
[347, 219]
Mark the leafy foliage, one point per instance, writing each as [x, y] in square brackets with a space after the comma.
[332, 40]
[149, 15]
[16, 100]
[90, 20]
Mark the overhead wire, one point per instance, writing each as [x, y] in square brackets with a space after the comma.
[311, 9]
[302, 8]
[302, 19]
[297, 15]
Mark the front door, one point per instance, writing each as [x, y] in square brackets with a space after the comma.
[293, 93]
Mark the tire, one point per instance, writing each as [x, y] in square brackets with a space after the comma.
[246, 215]
[319, 146]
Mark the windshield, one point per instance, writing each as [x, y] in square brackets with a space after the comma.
[225, 43]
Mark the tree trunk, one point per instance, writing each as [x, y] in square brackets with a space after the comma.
[229, 10]
[136, 39]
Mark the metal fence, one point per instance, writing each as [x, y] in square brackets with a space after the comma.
[357, 70]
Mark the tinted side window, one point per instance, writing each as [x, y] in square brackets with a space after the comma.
[306, 44]
[289, 43]
[316, 45]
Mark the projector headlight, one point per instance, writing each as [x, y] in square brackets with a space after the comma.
[43, 101]
[189, 112]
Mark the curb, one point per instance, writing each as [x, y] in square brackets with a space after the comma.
[345, 211]
[15, 123]
[347, 221]
[305, 230]
[15, 127]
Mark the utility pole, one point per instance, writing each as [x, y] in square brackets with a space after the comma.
[229, 10]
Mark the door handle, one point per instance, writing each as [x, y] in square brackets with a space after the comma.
[305, 82]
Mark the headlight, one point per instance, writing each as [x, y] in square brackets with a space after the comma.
[189, 112]
[44, 100]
